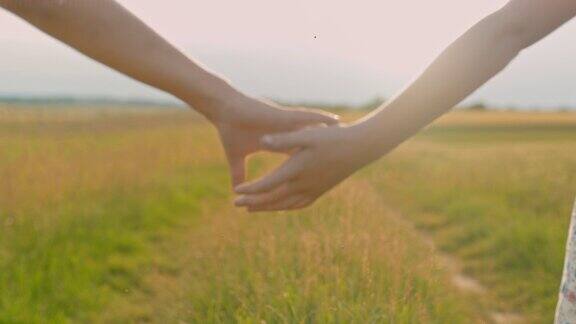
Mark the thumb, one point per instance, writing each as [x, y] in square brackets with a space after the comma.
[285, 141]
[237, 164]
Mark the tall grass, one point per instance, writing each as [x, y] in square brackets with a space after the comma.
[84, 202]
[125, 217]
[344, 261]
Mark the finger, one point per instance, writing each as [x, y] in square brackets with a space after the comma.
[303, 117]
[282, 174]
[237, 169]
[285, 141]
[264, 198]
[286, 204]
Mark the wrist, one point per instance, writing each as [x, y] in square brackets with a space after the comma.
[212, 96]
[377, 135]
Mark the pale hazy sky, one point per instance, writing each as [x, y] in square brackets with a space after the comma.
[362, 48]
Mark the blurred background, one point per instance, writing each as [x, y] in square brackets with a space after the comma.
[317, 51]
[116, 206]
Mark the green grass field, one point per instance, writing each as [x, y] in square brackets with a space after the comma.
[126, 216]
[496, 189]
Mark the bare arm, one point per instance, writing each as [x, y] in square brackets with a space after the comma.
[472, 60]
[110, 34]
[327, 156]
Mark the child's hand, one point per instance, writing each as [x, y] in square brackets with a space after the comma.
[322, 158]
[242, 121]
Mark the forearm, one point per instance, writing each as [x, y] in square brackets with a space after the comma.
[110, 34]
[472, 60]
[462, 68]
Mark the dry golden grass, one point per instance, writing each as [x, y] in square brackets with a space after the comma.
[506, 118]
[48, 156]
[125, 216]
[347, 260]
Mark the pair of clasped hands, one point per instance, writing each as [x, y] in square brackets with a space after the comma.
[321, 151]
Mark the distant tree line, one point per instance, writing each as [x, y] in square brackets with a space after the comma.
[74, 101]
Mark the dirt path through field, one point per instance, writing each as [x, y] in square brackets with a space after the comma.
[455, 269]
[468, 284]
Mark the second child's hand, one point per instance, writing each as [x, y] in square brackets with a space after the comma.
[322, 158]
